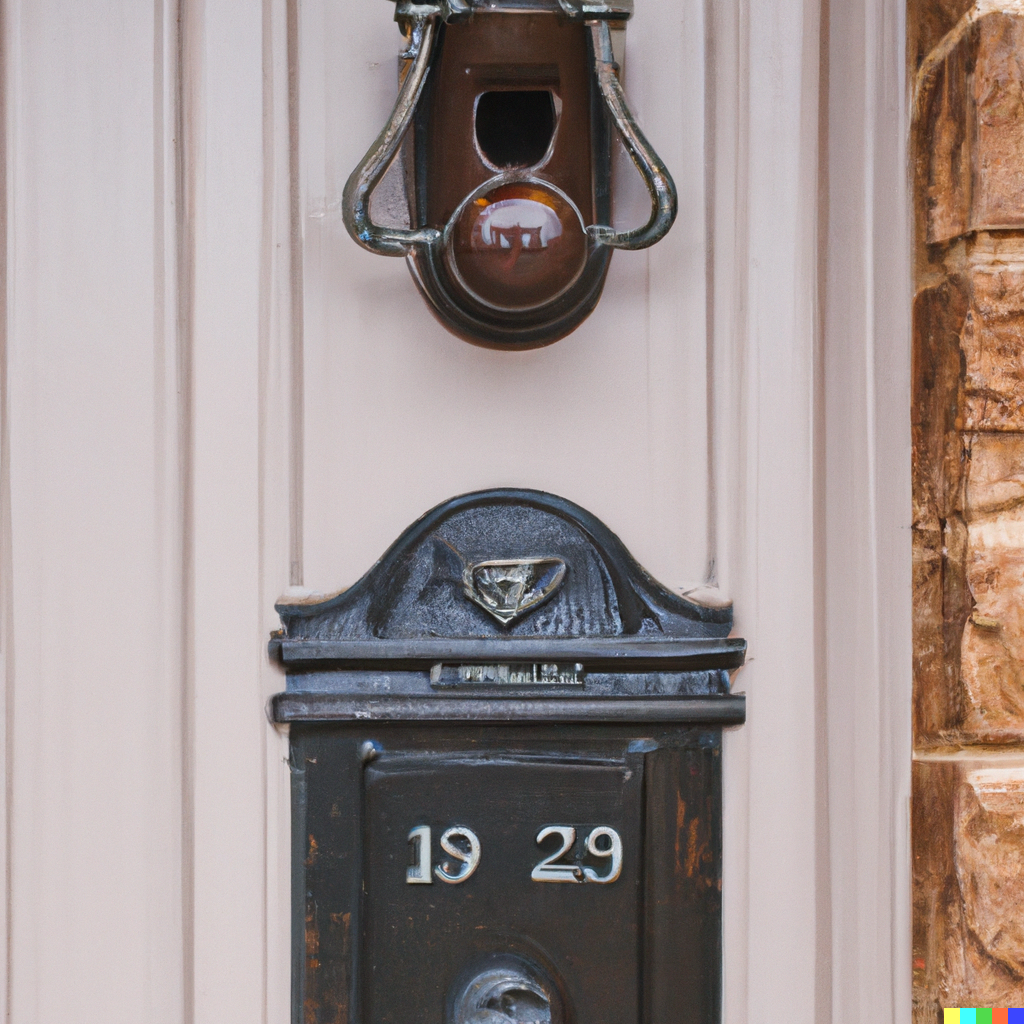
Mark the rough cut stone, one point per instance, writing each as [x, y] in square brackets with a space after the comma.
[946, 165]
[971, 128]
[936, 897]
[939, 315]
[992, 653]
[992, 336]
[941, 600]
[968, 856]
[995, 474]
[989, 847]
[927, 23]
[999, 111]
[932, 713]
[967, 140]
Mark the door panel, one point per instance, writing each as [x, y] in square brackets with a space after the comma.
[208, 394]
[400, 414]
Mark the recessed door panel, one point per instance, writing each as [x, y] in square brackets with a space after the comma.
[569, 905]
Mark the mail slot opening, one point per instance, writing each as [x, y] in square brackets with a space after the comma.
[514, 128]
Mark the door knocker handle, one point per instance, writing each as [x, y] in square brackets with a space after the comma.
[512, 106]
[355, 200]
[662, 189]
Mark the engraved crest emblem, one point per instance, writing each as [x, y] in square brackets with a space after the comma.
[510, 589]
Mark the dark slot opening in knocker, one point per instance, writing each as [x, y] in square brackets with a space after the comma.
[515, 127]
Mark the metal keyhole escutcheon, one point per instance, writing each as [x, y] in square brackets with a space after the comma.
[507, 991]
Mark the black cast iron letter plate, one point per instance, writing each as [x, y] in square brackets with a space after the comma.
[505, 749]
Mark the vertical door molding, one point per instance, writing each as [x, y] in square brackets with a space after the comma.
[6, 603]
[867, 495]
[91, 561]
[237, 169]
[809, 292]
[764, 96]
[146, 508]
[281, 460]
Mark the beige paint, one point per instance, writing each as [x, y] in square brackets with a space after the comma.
[600, 418]
[207, 400]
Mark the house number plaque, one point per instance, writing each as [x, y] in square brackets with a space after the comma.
[462, 845]
[504, 738]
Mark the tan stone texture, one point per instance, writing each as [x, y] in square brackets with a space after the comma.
[945, 139]
[968, 404]
[992, 653]
[995, 474]
[999, 116]
[989, 851]
[941, 600]
[927, 23]
[971, 129]
[939, 316]
[935, 684]
[967, 141]
[992, 337]
[937, 918]
[968, 854]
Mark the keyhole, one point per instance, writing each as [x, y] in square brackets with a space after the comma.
[508, 990]
[514, 128]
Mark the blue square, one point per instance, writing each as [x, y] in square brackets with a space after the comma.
[1015, 1016]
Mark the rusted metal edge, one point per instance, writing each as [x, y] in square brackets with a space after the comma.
[727, 709]
[627, 654]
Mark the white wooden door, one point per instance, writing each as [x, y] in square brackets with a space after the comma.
[210, 395]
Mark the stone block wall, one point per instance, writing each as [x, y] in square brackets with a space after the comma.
[967, 67]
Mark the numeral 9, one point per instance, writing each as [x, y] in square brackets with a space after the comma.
[469, 860]
[612, 851]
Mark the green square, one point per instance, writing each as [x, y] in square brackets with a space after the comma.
[983, 1016]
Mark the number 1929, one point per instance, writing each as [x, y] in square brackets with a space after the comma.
[461, 848]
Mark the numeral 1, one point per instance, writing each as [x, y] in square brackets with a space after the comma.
[419, 873]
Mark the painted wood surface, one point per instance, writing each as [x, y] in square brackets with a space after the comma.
[211, 394]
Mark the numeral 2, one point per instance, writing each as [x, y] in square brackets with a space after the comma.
[547, 870]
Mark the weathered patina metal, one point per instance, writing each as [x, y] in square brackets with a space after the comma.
[447, 761]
